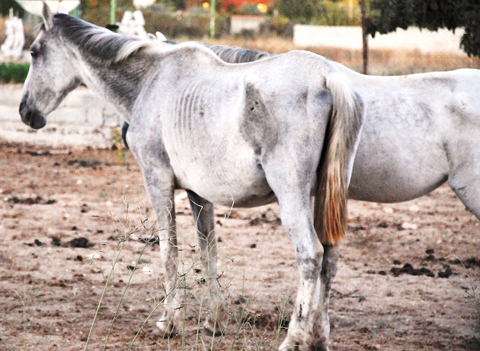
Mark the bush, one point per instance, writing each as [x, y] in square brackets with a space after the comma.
[279, 25]
[300, 11]
[334, 14]
[13, 72]
[248, 9]
[194, 24]
[325, 12]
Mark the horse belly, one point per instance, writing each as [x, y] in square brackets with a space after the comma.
[396, 167]
[235, 181]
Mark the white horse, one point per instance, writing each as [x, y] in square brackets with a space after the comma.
[281, 129]
[420, 131]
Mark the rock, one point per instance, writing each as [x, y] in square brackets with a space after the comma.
[80, 242]
[408, 225]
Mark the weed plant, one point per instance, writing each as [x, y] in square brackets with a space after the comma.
[13, 72]
[246, 329]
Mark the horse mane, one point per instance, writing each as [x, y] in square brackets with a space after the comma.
[99, 43]
[232, 54]
[108, 47]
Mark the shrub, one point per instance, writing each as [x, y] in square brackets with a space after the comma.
[278, 25]
[334, 14]
[192, 24]
[300, 11]
[13, 72]
[326, 12]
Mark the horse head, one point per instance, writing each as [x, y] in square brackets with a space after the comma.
[51, 76]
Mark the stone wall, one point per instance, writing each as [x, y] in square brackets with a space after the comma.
[81, 120]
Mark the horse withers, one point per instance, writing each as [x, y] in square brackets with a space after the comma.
[284, 129]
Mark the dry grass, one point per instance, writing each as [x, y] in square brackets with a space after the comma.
[381, 62]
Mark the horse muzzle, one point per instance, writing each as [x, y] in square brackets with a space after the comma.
[32, 117]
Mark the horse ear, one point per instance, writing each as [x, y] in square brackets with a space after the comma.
[47, 16]
[160, 36]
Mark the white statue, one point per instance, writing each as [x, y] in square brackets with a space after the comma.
[15, 38]
[133, 24]
[141, 4]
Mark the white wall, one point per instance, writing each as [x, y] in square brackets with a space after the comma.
[81, 120]
[351, 38]
[239, 23]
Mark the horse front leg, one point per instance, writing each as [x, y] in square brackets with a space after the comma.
[160, 189]
[170, 319]
[203, 215]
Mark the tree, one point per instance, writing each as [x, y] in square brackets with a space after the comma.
[388, 15]
[300, 11]
[5, 6]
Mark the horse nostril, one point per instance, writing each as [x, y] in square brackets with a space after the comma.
[25, 113]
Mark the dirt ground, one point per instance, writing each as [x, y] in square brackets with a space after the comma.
[407, 275]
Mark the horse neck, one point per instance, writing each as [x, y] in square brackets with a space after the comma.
[119, 83]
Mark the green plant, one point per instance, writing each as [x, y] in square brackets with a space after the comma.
[119, 146]
[334, 14]
[300, 11]
[279, 25]
[13, 72]
[248, 9]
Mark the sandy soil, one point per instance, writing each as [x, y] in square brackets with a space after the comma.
[406, 280]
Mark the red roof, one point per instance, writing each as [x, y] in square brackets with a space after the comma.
[239, 3]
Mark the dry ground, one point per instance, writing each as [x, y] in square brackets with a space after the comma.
[49, 289]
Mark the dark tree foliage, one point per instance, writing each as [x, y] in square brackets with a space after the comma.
[299, 11]
[388, 15]
[5, 6]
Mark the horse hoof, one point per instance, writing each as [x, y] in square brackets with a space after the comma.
[300, 346]
[166, 330]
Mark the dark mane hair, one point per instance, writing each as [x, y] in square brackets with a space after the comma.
[99, 43]
[232, 54]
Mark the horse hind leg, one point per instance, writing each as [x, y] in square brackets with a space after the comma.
[305, 331]
[329, 270]
[292, 190]
[203, 214]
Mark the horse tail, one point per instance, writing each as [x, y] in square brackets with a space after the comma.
[336, 163]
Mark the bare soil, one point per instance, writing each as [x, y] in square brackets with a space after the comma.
[407, 275]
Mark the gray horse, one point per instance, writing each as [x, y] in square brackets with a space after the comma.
[283, 129]
[420, 131]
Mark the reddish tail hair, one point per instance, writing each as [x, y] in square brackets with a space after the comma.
[341, 141]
